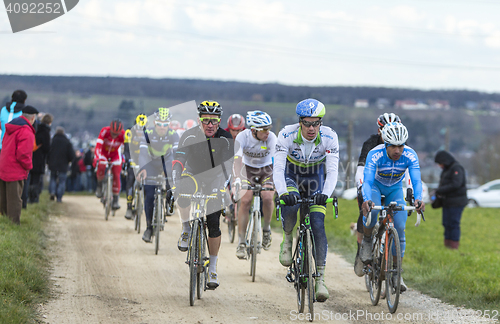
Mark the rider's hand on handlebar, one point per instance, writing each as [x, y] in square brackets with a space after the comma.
[289, 199]
[141, 175]
[420, 205]
[320, 199]
[366, 207]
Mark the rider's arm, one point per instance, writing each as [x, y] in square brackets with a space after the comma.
[332, 164]
[358, 177]
[414, 170]
[144, 156]
[281, 152]
[98, 145]
[369, 175]
[180, 156]
[238, 155]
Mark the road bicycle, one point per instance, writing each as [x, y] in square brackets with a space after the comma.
[253, 236]
[385, 265]
[303, 269]
[197, 257]
[138, 203]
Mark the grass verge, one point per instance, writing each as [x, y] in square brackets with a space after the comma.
[467, 277]
[24, 265]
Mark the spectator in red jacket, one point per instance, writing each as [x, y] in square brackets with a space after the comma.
[16, 160]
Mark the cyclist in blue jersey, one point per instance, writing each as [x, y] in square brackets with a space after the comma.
[383, 175]
[304, 151]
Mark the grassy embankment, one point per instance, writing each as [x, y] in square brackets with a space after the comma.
[467, 277]
[24, 264]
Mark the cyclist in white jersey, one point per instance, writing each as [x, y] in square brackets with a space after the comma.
[254, 158]
[303, 153]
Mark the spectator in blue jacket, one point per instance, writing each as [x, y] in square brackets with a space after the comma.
[11, 110]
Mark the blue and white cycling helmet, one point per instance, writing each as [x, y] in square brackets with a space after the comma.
[258, 119]
[310, 108]
[394, 133]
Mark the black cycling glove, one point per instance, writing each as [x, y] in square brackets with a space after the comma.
[320, 199]
[289, 200]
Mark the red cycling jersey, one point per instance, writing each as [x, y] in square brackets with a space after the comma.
[108, 147]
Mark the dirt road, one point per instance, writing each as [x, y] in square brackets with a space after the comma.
[104, 273]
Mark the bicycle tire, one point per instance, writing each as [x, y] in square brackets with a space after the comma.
[375, 280]
[158, 217]
[393, 288]
[248, 240]
[231, 230]
[107, 205]
[255, 239]
[297, 265]
[193, 268]
[310, 273]
[202, 271]
[139, 209]
[134, 206]
[109, 195]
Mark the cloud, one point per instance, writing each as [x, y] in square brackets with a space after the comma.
[407, 14]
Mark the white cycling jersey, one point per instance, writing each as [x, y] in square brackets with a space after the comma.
[291, 147]
[255, 153]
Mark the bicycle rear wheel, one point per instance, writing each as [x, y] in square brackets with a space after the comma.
[375, 282]
[193, 267]
[202, 267]
[139, 209]
[310, 268]
[393, 275]
[254, 243]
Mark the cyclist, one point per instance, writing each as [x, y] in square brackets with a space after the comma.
[204, 160]
[176, 126]
[235, 124]
[368, 145]
[107, 148]
[303, 153]
[253, 158]
[131, 151]
[383, 175]
[157, 149]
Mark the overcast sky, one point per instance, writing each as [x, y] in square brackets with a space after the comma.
[445, 44]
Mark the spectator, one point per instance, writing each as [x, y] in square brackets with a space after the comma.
[40, 157]
[74, 178]
[453, 192]
[83, 170]
[88, 159]
[11, 110]
[60, 155]
[16, 161]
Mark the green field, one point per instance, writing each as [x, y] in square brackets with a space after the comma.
[467, 277]
[24, 264]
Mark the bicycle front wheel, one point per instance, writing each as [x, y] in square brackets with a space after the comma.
[158, 224]
[373, 275]
[254, 243]
[202, 264]
[231, 228]
[311, 269]
[107, 201]
[393, 274]
[193, 266]
[139, 209]
[298, 270]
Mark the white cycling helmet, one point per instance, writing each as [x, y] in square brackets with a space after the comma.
[394, 133]
[383, 119]
[258, 119]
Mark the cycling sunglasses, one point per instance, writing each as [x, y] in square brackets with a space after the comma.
[165, 124]
[263, 129]
[208, 120]
[309, 124]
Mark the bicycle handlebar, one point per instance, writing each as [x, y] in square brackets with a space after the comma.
[333, 200]
[394, 207]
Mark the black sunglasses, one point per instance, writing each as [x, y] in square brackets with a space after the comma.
[309, 124]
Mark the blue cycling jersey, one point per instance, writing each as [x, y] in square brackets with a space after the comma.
[379, 167]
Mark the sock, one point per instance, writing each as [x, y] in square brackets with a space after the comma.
[212, 267]
[241, 238]
[321, 272]
[267, 226]
[186, 228]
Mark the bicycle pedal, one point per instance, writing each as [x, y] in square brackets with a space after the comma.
[289, 277]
